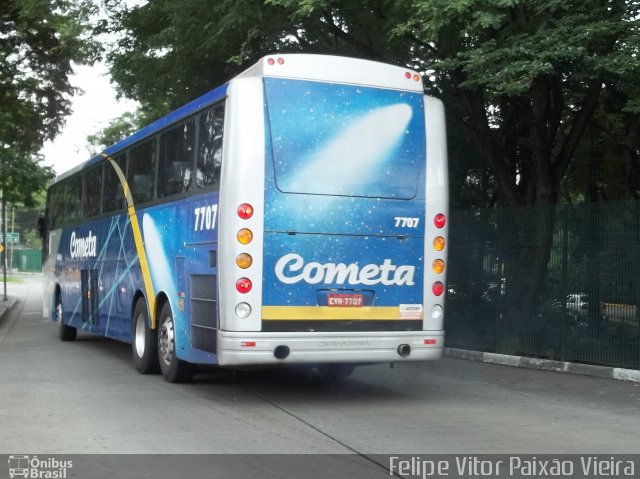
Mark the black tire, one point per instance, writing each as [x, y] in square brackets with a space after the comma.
[335, 372]
[65, 333]
[173, 370]
[144, 344]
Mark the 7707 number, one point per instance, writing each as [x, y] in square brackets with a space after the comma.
[205, 218]
[404, 222]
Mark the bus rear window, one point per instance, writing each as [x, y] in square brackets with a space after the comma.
[345, 140]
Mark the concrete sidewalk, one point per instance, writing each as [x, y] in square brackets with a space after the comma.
[546, 364]
[13, 288]
[6, 305]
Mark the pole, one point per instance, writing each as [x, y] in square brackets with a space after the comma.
[11, 245]
[4, 248]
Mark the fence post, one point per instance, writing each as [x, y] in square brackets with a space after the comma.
[636, 208]
[564, 251]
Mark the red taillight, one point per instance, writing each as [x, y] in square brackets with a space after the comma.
[407, 75]
[430, 341]
[437, 288]
[440, 220]
[271, 61]
[248, 344]
[243, 285]
[245, 211]
[280, 61]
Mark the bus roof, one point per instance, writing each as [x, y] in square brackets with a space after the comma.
[328, 68]
[301, 66]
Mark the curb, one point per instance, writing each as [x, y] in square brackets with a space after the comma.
[5, 306]
[604, 372]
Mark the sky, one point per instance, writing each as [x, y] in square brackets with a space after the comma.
[91, 111]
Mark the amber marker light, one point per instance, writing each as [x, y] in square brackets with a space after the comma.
[244, 260]
[439, 243]
[245, 236]
[438, 266]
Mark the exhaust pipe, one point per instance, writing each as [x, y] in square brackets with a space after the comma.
[281, 352]
[404, 350]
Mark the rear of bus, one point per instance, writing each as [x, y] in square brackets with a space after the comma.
[334, 204]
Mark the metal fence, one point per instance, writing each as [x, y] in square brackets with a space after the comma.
[581, 306]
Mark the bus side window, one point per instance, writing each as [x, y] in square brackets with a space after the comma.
[141, 174]
[56, 208]
[176, 159]
[113, 197]
[92, 192]
[72, 199]
[210, 147]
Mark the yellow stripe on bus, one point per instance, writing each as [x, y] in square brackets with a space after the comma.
[326, 313]
[139, 242]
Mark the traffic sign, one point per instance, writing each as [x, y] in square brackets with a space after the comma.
[12, 238]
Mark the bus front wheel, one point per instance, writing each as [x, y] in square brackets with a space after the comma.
[65, 333]
[143, 340]
[173, 369]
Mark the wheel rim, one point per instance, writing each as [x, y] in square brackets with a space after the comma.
[140, 335]
[166, 341]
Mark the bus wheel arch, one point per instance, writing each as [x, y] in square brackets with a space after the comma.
[173, 369]
[56, 314]
[143, 339]
[65, 332]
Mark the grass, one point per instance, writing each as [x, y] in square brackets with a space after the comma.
[10, 279]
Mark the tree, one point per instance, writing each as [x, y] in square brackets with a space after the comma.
[521, 80]
[117, 129]
[23, 177]
[40, 39]
[169, 51]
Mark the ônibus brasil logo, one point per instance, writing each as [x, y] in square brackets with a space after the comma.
[32, 467]
[83, 247]
[291, 269]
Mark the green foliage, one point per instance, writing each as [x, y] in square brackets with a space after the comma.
[171, 51]
[40, 39]
[117, 129]
[521, 80]
[22, 177]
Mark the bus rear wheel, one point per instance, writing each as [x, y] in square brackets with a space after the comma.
[143, 341]
[174, 370]
[65, 333]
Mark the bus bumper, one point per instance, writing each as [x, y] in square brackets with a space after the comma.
[247, 348]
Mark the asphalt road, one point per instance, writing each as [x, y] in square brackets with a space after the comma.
[85, 397]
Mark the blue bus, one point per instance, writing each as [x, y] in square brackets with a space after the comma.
[296, 215]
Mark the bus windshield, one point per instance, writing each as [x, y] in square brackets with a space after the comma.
[361, 141]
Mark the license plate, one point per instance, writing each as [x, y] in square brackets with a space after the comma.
[348, 300]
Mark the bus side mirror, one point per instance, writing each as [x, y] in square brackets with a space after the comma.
[41, 227]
